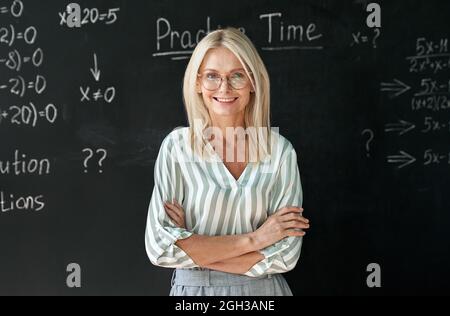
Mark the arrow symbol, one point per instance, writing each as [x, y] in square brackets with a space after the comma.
[95, 72]
[397, 86]
[403, 126]
[404, 157]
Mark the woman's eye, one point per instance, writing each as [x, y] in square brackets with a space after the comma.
[238, 75]
[212, 76]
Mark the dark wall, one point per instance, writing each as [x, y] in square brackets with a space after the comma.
[366, 109]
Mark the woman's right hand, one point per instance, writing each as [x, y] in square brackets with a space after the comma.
[283, 223]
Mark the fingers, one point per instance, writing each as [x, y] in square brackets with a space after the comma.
[289, 209]
[295, 224]
[177, 208]
[173, 216]
[177, 204]
[293, 217]
[295, 233]
[176, 213]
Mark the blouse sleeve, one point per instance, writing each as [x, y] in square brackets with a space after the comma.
[283, 256]
[161, 232]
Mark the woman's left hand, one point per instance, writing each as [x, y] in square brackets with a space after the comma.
[175, 212]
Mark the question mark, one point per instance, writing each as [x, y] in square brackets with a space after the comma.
[87, 158]
[369, 140]
[377, 34]
[101, 159]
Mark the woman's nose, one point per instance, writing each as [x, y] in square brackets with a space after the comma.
[224, 86]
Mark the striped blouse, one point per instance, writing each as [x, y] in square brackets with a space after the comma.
[215, 203]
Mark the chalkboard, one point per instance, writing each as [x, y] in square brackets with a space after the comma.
[83, 112]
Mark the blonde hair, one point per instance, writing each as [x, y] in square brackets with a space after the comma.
[257, 112]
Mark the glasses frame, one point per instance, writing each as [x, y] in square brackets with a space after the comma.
[228, 80]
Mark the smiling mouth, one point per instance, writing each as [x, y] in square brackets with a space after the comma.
[225, 100]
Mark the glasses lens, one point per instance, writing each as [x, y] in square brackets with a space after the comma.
[238, 80]
[211, 80]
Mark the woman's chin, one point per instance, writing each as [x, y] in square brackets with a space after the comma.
[224, 112]
[227, 110]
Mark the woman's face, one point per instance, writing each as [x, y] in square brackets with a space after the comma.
[223, 62]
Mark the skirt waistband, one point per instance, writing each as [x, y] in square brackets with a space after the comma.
[206, 277]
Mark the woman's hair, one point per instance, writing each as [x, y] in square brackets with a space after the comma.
[257, 112]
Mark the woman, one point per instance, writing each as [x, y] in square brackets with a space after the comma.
[228, 226]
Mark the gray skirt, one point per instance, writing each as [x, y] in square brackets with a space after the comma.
[187, 282]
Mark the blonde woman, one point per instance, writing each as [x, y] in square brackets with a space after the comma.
[226, 208]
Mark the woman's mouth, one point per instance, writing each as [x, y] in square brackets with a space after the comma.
[225, 101]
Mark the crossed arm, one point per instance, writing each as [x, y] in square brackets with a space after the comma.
[239, 265]
[234, 253]
[237, 253]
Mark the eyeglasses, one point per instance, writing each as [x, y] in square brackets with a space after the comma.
[212, 80]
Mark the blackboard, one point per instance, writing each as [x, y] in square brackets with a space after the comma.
[83, 111]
